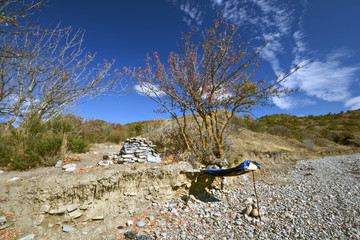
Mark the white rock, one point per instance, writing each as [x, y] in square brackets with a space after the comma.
[58, 164]
[71, 169]
[28, 237]
[104, 163]
[13, 179]
[71, 165]
[67, 228]
[2, 220]
[71, 208]
[75, 214]
[44, 208]
[97, 218]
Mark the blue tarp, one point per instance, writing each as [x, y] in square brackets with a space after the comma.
[241, 169]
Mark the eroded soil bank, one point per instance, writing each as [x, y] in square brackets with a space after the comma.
[99, 199]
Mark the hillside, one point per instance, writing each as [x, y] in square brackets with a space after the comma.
[342, 128]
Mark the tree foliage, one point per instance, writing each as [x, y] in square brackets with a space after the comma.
[212, 80]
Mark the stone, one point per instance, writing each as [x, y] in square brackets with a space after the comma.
[104, 163]
[2, 220]
[249, 201]
[254, 213]
[28, 237]
[130, 223]
[67, 228]
[75, 214]
[13, 179]
[44, 208]
[237, 223]
[71, 208]
[69, 167]
[58, 211]
[106, 157]
[248, 210]
[1, 171]
[140, 223]
[130, 235]
[98, 218]
[200, 237]
[83, 207]
[58, 164]
[131, 194]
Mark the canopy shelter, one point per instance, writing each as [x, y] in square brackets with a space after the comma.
[244, 167]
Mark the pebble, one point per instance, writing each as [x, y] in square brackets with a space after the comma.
[58, 164]
[67, 228]
[248, 210]
[13, 179]
[130, 223]
[69, 167]
[140, 223]
[2, 220]
[71, 208]
[44, 208]
[254, 213]
[28, 237]
[75, 214]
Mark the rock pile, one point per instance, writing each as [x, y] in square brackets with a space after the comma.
[138, 150]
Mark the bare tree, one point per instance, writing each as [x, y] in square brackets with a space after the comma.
[45, 71]
[211, 81]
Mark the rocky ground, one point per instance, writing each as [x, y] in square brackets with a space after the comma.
[315, 199]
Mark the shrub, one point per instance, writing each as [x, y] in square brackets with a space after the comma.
[77, 145]
[280, 131]
[309, 144]
[39, 144]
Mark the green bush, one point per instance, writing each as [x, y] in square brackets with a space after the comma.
[77, 145]
[39, 144]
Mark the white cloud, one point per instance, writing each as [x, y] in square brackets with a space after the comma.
[353, 103]
[148, 89]
[328, 80]
[287, 102]
[193, 13]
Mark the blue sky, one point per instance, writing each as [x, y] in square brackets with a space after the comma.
[326, 32]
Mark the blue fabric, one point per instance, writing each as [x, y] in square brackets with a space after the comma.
[241, 169]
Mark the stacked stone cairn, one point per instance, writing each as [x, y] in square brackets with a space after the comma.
[138, 150]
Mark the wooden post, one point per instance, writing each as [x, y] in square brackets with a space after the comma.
[257, 199]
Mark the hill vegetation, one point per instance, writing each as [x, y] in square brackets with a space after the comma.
[45, 143]
[342, 128]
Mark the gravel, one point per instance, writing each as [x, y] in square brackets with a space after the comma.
[316, 199]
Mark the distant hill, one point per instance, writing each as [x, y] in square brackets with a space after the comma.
[341, 128]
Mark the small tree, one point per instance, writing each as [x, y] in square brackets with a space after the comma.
[212, 80]
[44, 71]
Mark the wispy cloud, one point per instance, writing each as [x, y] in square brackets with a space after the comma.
[353, 103]
[328, 80]
[148, 89]
[193, 15]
